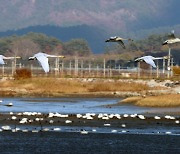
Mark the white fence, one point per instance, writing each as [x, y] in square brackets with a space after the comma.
[80, 68]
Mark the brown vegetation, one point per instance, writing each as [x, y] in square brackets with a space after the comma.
[176, 70]
[168, 100]
[118, 86]
[22, 74]
[55, 86]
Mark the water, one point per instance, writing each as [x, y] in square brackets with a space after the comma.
[51, 142]
[74, 105]
[136, 139]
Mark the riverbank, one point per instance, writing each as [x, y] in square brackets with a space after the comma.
[147, 91]
[166, 100]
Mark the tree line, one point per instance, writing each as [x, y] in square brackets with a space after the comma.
[31, 43]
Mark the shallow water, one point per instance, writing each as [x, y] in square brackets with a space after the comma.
[137, 139]
[75, 105]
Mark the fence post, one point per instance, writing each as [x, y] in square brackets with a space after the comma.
[2, 70]
[157, 70]
[12, 67]
[62, 69]
[97, 71]
[57, 66]
[81, 68]
[104, 67]
[150, 71]
[139, 65]
[70, 67]
[172, 67]
[163, 65]
[168, 64]
[89, 68]
[76, 66]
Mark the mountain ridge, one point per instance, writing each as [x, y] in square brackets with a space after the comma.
[113, 16]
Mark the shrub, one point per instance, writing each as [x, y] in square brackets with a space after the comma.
[176, 70]
[22, 73]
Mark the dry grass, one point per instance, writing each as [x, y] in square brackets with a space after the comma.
[49, 85]
[118, 86]
[131, 100]
[22, 73]
[176, 70]
[170, 100]
[53, 86]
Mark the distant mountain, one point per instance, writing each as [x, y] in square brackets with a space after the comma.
[115, 16]
[93, 20]
[95, 36]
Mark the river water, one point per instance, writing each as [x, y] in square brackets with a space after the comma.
[69, 140]
[75, 105]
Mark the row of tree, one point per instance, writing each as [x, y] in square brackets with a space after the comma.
[31, 43]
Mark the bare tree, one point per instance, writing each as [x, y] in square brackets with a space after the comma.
[24, 48]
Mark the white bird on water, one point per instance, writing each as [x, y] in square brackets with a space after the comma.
[43, 59]
[171, 39]
[3, 57]
[149, 60]
[118, 40]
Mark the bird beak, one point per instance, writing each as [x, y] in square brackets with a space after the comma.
[31, 58]
[165, 57]
[164, 43]
[61, 56]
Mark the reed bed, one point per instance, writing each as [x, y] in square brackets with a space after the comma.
[118, 86]
[59, 85]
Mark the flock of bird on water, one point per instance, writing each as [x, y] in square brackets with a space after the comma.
[50, 118]
[43, 57]
[43, 60]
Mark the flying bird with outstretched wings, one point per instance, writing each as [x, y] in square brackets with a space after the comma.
[118, 40]
[171, 39]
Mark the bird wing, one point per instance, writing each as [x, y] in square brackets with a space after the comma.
[171, 36]
[43, 60]
[121, 43]
[1, 60]
[149, 61]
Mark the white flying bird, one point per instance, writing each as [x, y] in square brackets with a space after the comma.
[149, 60]
[43, 60]
[171, 39]
[3, 57]
[118, 40]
